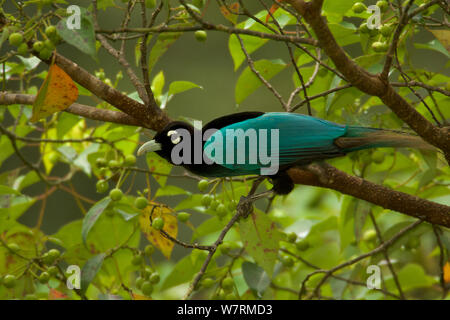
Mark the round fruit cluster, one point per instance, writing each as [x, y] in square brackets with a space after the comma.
[220, 207]
[148, 277]
[43, 48]
[383, 32]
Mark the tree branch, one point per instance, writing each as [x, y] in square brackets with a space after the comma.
[329, 177]
[369, 83]
[148, 117]
[76, 108]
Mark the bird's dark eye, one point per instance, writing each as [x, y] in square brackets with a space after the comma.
[175, 139]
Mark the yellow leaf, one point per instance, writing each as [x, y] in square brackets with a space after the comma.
[140, 297]
[447, 272]
[230, 12]
[56, 94]
[155, 210]
[443, 36]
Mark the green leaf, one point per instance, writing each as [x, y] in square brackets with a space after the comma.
[344, 34]
[181, 86]
[248, 82]
[185, 269]
[30, 63]
[13, 207]
[413, 276]
[82, 160]
[158, 84]
[251, 44]
[84, 38]
[433, 45]
[335, 10]
[90, 270]
[170, 191]
[157, 164]
[8, 190]
[255, 277]
[163, 42]
[92, 215]
[261, 239]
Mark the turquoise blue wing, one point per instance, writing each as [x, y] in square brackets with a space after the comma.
[299, 139]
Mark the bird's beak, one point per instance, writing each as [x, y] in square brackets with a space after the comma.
[149, 146]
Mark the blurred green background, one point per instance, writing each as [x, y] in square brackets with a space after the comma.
[207, 64]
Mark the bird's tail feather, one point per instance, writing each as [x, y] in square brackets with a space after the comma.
[358, 138]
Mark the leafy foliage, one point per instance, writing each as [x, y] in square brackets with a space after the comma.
[282, 246]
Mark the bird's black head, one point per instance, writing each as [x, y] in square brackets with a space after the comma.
[166, 139]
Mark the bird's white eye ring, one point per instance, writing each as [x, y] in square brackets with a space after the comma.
[175, 140]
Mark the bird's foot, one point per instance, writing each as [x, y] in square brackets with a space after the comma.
[282, 183]
[245, 205]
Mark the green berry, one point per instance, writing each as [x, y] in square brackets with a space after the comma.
[141, 203]
[50, 257]
[200, 35]
[50, 31]
[44, 277]
[230, 296]
[45, 54]
[13, 246]
[377, 46]
[149, 249]
[102, 186]
[373, 32]
[9, 281]
[287, 262]
[139, 282]
[22, 49]
[113, 163]
[207, 283]
[53, 271]
[15, 39]
[203, 185]
[383, 5]
[103, 172]
[221, 210]
[228, 284]
[100, 162]
[292, 237]
[147, 272]
[359, 7]
[49, 44]
[130, 160]
[54, 254]
[158, 223]
[378, 157]
[386, 30]
[302, 245]
[214, 204]
[232, 205]
[38, 46]
[116, 194]
[369, 235]
[154, 278]
[183, 216]
[137, 260]
[206, 200]
[363, 28]
[147, 288]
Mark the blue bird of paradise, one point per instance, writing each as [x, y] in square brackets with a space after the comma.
[233, 145]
